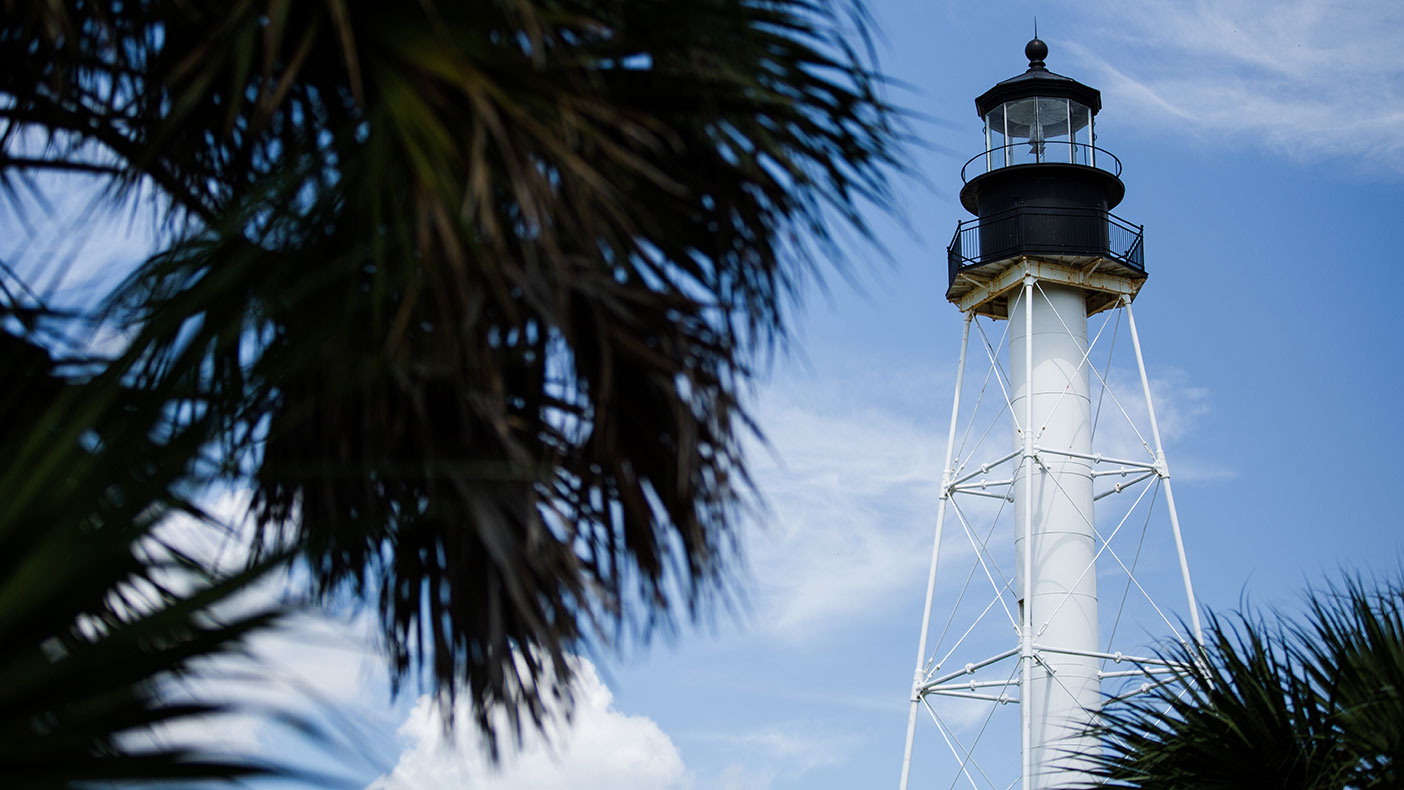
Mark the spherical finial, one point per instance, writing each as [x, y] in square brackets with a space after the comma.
[1036, 51]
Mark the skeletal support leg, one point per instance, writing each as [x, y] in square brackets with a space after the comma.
[1165, 475]
[946, 474]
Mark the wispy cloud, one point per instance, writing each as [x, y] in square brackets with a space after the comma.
[760, 757]
[1311, 79]
[854, 492]
[850, 501]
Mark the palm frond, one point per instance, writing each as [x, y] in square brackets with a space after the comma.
[1352, 644]
[97, 616]
[1273, 702]
[473, 291]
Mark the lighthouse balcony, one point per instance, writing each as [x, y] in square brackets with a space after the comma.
[1086, 240]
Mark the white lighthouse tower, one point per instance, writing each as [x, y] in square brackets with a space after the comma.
[1041, 516]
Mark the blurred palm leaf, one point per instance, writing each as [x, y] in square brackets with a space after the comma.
[98, 616]
[471, 291]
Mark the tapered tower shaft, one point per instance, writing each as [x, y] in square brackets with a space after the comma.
[1055, 587]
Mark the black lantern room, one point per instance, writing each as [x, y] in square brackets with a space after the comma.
[1041, 189]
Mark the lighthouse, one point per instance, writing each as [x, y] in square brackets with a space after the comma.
[1040, 504]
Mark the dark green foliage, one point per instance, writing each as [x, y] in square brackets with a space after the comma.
[469, 293]
[1353, 645]
[98, 617]
[1274, 703]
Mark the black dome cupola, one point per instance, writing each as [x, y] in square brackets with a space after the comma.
[1038, 81]
[1041, 188]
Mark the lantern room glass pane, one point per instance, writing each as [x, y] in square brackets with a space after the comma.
[1040, 129]
[1081, 123]
[1021, 126]
[1052, 131]
[994, 124]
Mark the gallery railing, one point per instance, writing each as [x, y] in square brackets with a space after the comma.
[1040, 153]
[1033, 230]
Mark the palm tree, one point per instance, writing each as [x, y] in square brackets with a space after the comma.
[468, 294]
[1269, 702]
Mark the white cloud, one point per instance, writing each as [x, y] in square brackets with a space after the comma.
[1312, 79]
[601, 747]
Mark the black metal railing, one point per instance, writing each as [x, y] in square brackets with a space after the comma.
[1032, 230]
[1056, 152]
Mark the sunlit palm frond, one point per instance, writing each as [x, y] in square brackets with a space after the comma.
[1352, 644]
[1311, 704]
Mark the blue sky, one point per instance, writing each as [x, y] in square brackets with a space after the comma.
[1263, 152]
